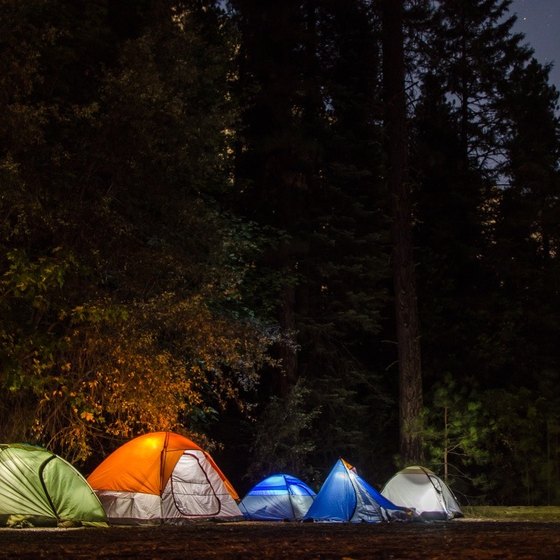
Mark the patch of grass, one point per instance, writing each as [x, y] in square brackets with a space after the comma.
[512, 513]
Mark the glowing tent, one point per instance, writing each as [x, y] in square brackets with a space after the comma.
[39, 488]
[162, 477]
[421, 490]
[279, 497]
[345, 496]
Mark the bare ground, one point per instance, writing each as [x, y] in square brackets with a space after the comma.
[247, 541]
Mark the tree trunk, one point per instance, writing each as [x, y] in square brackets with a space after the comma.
[410, 375]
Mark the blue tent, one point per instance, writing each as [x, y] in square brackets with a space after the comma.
[345, 496]
[279, 497]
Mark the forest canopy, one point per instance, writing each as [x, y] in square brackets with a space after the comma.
[196, 234]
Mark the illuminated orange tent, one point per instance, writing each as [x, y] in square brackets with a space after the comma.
[162, 477]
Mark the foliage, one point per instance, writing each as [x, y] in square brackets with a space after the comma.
[114, 379]
[477, 436]
[121, 282]
[485, 161]
[459, 428]
[283, 438]
[525, 444]
[194, 234]
[311, 180]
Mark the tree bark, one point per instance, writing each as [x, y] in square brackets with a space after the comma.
[404, 281]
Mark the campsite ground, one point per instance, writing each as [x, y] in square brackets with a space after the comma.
[468, 538]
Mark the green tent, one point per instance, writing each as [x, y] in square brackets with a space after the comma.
[38, 488]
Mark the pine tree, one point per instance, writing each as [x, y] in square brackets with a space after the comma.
[474, 50]
[309, 168]
[484, 160]
[459, 145]
[526, 231]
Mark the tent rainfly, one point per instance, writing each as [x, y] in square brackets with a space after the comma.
[162, 477]
[424, 492]
[279, 497]
[40, 489]
[345, 496]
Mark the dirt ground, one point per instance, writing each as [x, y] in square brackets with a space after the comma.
[247, 541]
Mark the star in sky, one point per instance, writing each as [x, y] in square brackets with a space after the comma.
[539, 21]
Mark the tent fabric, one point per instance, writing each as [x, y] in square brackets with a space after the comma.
[423, 491]
[279, 497]
[39, 488]
[163, 477]
[346, 497]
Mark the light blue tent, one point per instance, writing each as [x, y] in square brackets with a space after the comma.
[279, 497]
[345, 496]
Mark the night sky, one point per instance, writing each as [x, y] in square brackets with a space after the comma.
[539, 20]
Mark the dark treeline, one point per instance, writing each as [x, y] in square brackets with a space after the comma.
[197, 213]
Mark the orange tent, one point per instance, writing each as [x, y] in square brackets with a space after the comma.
[162, 477]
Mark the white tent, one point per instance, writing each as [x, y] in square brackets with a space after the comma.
[423, 491]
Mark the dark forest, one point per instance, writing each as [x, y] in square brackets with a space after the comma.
[291, 230]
